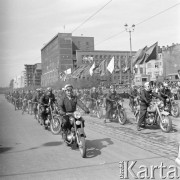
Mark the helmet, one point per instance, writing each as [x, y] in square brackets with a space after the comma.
[146, 84]
[112, 86]
[165, 85]
[49, 89]
[67, 85]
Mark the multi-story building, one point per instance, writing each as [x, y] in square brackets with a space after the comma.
[154, 68]
[167, 62]
[33, 74]
[171, 59]
[59, 54]
[122, 60]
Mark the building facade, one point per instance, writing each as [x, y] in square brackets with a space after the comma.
[33, 74]
[122, 60]
[171, 59]
[59, 54]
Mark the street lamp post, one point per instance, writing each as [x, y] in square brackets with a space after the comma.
[130, 29]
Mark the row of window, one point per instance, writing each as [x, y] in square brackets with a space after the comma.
[104, 56]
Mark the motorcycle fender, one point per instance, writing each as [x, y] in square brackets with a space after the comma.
[80, 131]
[165, 113]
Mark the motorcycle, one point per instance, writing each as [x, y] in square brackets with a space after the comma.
[118, 112]
[24, 105]
[97, 107]
[133, 107]
[53, 120]
[17, 104]
[172, 107]
[30, 107]
[76, 134]
[156, 115]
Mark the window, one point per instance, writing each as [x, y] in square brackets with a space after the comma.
[149, 65]
[176, 77]
[156, 65]
[141, 70]
[144, 79]
[87, 43]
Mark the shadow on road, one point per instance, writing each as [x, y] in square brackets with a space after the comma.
[94, 146]
[56, 143]
[4, 149]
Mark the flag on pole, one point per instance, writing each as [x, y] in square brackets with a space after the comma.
[68, 71]
[91, 69]
[110, 66]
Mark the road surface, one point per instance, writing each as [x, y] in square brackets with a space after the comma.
[27, 151]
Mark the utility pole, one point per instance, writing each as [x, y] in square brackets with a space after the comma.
[129, 30]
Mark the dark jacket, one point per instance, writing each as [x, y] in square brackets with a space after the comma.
[94, 95]
[45, 99]
[36, 97]
[146, 97]
[66, 105]
[165, 93]
[29, 96]
[112, 96]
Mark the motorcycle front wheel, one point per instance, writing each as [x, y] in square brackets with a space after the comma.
[82, 146]
[55, 125]
[122, 117]
[175, 111]
[165, 123]
[99, 113]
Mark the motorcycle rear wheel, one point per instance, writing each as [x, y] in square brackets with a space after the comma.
[82, 146]
[55, 125]
[122, 117]
[175, 111]
[165, 127]
[99, 113]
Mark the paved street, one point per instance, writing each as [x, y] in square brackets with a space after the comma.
[27, 151]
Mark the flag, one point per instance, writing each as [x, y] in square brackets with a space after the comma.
[91, 69]
[110, 66]
[150, 53]
[102, 68]
[139, 55]
[68, 71]
[126, 65]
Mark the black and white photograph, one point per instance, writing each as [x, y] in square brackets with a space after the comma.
[89, 89]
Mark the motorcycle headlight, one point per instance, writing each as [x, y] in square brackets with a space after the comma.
[120, 103]
[161, 104]
[71, 118]
[167, 100]
[78, 123]
[77, 114]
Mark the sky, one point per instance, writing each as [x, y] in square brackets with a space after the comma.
[26, 25]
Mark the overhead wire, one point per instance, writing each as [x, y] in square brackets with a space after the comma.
[145, 20]
[91, 16]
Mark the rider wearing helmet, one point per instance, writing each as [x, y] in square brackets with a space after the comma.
[145, 99]
[67, 104]
[46, 99]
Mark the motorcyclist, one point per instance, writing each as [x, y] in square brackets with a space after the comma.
[93, 97]
[165, 92]
[145, 99]
[16, 96]
[111, 96]
[35, 100]
[46, 100]
[67, 104]
[132, 95]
